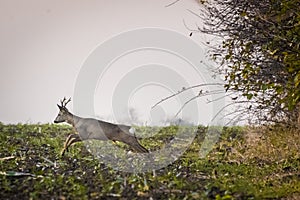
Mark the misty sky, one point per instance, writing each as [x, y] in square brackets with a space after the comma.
[45, 43]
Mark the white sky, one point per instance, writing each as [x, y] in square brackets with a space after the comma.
[44, 44]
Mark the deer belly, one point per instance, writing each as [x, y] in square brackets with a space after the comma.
[87, 135]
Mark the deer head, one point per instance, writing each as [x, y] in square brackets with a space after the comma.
[63, 111]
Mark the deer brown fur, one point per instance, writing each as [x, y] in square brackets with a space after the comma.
[89, 128]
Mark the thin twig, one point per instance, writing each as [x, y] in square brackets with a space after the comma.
[188, 28]
[172, 3]
[226, 107]
[220, 98]
[183, 90]
[239, 116]
[7, 158]
[197, 96]
[193, 98]
[192, 12]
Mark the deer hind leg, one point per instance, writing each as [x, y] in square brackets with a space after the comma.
[71, 139]
[133, 142]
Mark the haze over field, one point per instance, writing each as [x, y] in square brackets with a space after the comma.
[45, 43]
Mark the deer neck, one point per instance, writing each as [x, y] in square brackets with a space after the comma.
[71, 119]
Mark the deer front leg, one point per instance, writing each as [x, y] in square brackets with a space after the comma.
[71, 139]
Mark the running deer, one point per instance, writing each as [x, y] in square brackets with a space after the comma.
[89, 128]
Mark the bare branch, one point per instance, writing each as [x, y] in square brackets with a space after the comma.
[220, 98]
[188, 28]
[193, 98]
[171, 4]
[185, 89]
[222, 109]
[198, 96]
[192, 12]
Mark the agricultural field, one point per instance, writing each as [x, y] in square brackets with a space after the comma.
[245, 163]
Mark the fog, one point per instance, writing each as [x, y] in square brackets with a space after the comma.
[45, 43]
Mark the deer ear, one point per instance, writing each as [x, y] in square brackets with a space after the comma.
[60, 107]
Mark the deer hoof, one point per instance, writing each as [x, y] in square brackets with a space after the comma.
[62, 152]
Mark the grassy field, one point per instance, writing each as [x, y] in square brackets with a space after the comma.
[245, 163]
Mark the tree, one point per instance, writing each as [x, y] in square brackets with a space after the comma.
[259, 55]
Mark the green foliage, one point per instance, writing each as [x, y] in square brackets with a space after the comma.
[260, 53]
[236, 168]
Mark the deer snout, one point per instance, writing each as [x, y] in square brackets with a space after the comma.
[58, 120]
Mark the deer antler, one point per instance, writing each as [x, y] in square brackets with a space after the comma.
[64, 102]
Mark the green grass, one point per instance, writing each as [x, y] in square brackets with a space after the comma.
[245, 163]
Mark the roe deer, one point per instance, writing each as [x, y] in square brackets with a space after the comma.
[89, 128]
